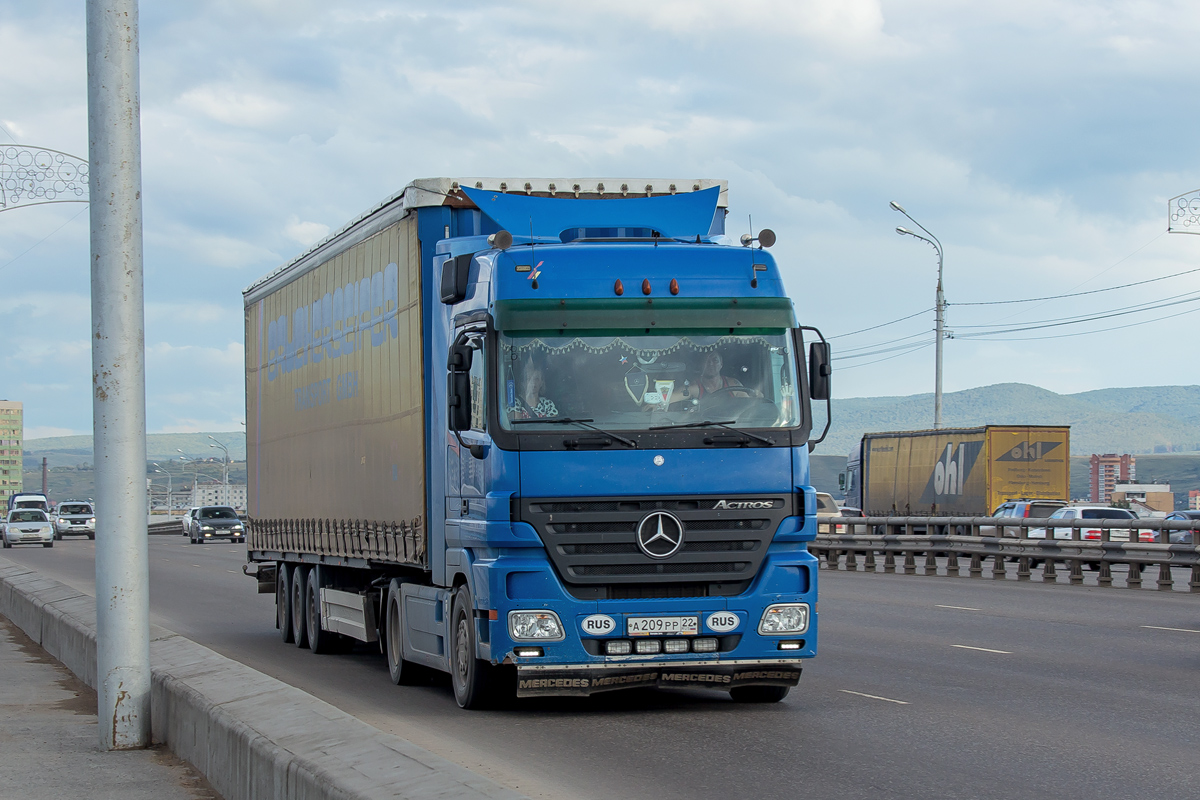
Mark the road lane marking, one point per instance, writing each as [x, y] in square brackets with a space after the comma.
[876, 697]
[958, 608]
[982, 649]
[1181, 630]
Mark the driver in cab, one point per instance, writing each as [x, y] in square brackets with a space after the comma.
[710, 380]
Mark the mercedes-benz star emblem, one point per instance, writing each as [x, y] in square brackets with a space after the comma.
[660, 534]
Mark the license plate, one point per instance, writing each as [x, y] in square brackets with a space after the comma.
[662, 626]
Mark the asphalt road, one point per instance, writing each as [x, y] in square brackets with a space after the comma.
[924, 687]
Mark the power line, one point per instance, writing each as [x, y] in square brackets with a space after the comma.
[44, 238]
[9, 135]
[1146, 306]
[1077, 321]
[885, 350]
[912, 349]
[1081, 333]
[842, 353]
[881, 325]
[1076, 294]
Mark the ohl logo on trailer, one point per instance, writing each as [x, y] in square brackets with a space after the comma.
[951, 472]
[1029, 451]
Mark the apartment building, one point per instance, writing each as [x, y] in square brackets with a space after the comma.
[12, 443]
[1107, 471]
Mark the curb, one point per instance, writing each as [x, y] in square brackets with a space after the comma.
[252, 736]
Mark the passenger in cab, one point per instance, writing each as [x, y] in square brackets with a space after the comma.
[529, 403]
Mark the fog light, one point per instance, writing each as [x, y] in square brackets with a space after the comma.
[618, 647]
[646, 647]
[784, 618]
[705, 645]
[675, 646]
[528, 652]
[785, 645]
[534, 625]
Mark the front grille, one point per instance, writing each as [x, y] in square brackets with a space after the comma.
[593, 544]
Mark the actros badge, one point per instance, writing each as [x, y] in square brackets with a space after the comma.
[660, 534]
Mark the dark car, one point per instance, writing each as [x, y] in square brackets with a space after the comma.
[1182, 537]
[217, 522]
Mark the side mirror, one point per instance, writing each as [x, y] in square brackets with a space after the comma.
[455, 272]
[819, 370]
[458, 393]
[458, 388]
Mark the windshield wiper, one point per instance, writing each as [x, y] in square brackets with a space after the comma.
[572, 421]
[710, 423]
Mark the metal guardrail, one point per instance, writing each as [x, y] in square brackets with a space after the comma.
[1004, 539]
[175, 526]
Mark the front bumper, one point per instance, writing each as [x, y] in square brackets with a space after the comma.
[584, 680]
[25, 537]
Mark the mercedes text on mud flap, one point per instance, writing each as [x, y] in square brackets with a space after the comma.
[548, 443]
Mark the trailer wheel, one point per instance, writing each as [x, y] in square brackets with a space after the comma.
[469, 675]
[319, 641]
[759, 694]
[402, 671]
[283, 605]
[299, 630]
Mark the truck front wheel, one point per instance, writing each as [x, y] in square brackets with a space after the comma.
[402, 671]
[469, 675]
[759, 694]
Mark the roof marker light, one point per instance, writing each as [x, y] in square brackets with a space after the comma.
[674, 286]
[645, 286]
[619, 288]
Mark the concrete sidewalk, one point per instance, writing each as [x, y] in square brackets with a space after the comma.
[49, 745]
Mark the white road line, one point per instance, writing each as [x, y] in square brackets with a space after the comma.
[982, 649]
[876, 697]
[1180, 630]
[959, 608]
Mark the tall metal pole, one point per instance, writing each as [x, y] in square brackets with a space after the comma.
[940, 311]
[118, 376]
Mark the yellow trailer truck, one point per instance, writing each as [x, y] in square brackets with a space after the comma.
[958, 472]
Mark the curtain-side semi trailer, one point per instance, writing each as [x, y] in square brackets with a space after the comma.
[542, 434]
[958, 472]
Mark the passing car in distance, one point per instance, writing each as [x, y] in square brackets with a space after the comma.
[75, 518]
[28, 526]
[217, 522]
[189, 519]
[1093, 513]
[826, 507]
[1027, 509]
[1183, 537]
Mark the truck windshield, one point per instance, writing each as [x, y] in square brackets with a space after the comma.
[636, 381]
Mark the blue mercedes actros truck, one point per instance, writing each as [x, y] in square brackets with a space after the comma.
[548, 436]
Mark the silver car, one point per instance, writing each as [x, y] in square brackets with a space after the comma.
[75, 518]
[28, 526]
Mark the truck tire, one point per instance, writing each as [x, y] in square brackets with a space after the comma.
[299, 629]
[283, 602]
[401, 671]
[319, 640]
[759, 694]
[469, 675]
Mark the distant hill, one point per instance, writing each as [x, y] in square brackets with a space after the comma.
[1136, 420]
[63, 451]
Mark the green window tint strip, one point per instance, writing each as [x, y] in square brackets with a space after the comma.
[742, 314]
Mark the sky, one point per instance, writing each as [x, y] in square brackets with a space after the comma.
[1039, 141]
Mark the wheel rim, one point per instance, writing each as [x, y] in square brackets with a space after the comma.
[462, 656]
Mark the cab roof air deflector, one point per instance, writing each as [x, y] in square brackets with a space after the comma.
[679, 216]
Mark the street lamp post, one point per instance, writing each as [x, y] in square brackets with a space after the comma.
[224, 469]
[940, 310]
[170, 490]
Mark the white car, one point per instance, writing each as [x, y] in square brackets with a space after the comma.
[1094, 534]
[28, 526]
[189, 519]
[75, 518]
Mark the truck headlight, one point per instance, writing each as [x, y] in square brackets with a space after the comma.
[534, 625]
[784, 618]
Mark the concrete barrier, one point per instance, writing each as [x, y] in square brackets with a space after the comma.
[252, 736]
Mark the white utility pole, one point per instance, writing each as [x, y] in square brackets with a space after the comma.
[118, 376]
[940, 309]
